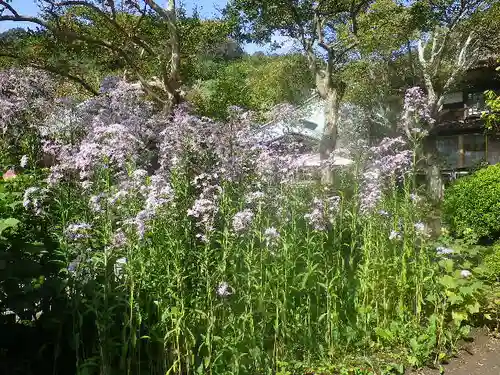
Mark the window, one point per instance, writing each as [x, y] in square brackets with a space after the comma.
[493, 149]
[448, 150]
[308, 124]
[474, 148]
[476, 102]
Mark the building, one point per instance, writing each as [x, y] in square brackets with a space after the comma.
[460, 135]
[304, 128]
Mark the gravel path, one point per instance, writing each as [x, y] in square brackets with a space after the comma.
[480, 357]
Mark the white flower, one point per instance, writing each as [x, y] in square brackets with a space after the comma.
[224, 290]
[242, 220]
[420, 227]
[272, 236]
[394, 235]
[440, 250]
[415, 198]
[465, 273]
[24, 161]
[119, 266]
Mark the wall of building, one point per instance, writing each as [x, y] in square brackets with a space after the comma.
[468, 150]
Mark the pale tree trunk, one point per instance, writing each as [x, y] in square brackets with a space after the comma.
[333, 97]
[433, 170]
[430, 69]
[171, 60]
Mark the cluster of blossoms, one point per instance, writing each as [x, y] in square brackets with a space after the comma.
[242, 221]
[440, 250]
[108, 131]
[33, 198]
[394, 235]
[155, 195]
[388, 161]
[78, 231]
[224, 289]
[24, 92]
[323, 213]
[271, 236]
[416, 113]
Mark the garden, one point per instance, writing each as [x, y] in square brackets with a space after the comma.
[146, 236]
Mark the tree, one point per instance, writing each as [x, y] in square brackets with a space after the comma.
[451, 40]
[328, 34]
[256, 83]
[492, 117]
[68, 22]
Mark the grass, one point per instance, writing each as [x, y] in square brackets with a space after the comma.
[236, 304]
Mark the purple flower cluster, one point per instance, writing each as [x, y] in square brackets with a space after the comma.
[323, 212]
[33, 198]
[242, 221]
[416, 113]
[155, 194]
[387, 161]
[78, 231]
[271, 236]
[113, 130]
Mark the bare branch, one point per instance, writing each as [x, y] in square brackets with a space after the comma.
[9, 8]
[112, 6]
[461, 65]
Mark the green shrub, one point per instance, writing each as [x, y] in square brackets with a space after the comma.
[471, 205]
[492, 264]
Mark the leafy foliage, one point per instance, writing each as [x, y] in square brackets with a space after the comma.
[253, 83]
[471, 204]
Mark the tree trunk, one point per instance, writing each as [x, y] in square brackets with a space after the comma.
[434, 177]
[333, 97]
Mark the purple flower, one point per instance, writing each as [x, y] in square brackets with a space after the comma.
[202, 209]
[317, 218]
[256, 196]
[416, 112]
[415, 198]
[160, 193]
[73, 266]
[79, 231]
[95, 202]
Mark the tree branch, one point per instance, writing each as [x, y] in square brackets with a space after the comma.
[111, 20]
[53, 70]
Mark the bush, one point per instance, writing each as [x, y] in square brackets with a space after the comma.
[472, 203]
[492, 264]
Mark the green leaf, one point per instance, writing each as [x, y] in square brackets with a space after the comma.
[8, 223]
[474, 308]
[459, 316]
[384, 334]
[454, 298]
[448, 281]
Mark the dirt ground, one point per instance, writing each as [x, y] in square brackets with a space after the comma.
[479, 357]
